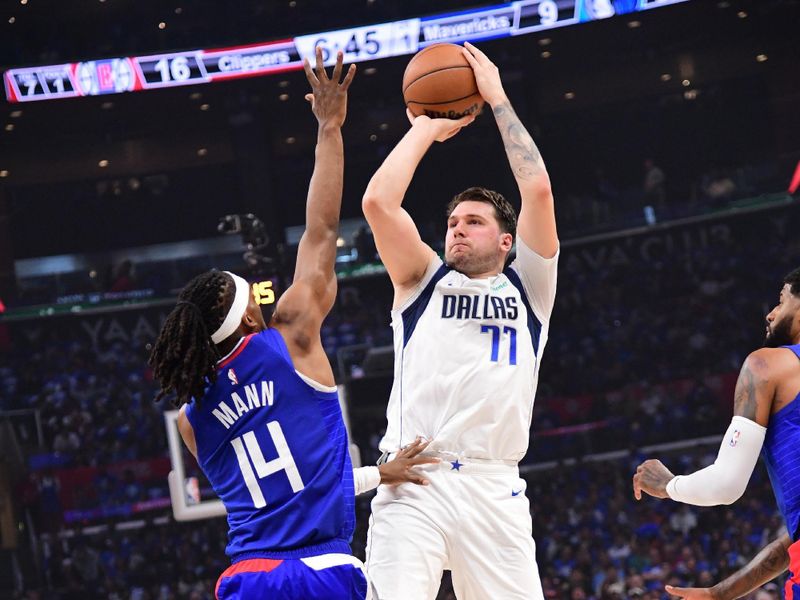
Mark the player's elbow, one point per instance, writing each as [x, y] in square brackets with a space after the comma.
[537, 189]
[369, 203]
[372, 205]
[730, 491]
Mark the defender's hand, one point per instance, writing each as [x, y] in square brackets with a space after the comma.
[652, 478]
[398, 470]
[487, 75]
[329, 97]
[440, 129]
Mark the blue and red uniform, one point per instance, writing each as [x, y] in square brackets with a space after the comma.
[274, 446]
[782, 455]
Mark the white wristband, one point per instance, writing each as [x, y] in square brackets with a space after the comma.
[671, 491]
[366, 479]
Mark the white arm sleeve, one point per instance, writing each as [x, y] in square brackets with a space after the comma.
[723, 482]
[366, 479]
[539, 276]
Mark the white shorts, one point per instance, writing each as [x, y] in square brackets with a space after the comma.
[474, 520]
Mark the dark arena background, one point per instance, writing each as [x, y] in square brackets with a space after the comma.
[142, 143]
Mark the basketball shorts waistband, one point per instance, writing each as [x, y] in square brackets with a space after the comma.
[465, 464]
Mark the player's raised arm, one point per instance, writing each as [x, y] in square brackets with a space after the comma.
[313, 291]
[404, 254]
[537, 221]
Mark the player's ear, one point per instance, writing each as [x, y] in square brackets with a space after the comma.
[506, 241]
[248, 320]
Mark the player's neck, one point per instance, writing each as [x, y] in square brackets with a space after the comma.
[227, 345]
[483, 275]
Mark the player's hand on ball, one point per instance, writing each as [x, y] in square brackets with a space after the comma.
[440, 129]
[487, 75]
[652, 478]
[329, 97]
[692, 593]
[399, 469]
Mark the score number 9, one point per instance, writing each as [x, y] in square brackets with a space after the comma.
[548, 12]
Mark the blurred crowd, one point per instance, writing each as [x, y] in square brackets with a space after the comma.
[640, 352]
[601, 544]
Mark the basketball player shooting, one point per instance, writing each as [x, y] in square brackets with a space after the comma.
[468, 337]
[765, 417]
[259, 408]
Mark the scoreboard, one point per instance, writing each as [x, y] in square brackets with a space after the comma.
[370, 42]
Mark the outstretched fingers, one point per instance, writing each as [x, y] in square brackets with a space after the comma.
[477, 54]
[312, 78]
[321, 75]
[337, 69]
[413, 449]
[470, 58]
[348, 78]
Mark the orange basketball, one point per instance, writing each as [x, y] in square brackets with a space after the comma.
[439, 82]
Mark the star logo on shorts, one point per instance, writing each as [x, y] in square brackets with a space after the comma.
[456, 465]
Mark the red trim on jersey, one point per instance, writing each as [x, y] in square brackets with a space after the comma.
[235, 353]
[793, 580]
[795, 179]
[252, 565]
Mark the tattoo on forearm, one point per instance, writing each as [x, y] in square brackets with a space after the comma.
[523, 155]
[767, 564]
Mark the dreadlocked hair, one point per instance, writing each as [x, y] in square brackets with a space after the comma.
[184, 357]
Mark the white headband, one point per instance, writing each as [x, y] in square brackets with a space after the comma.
[235, 314]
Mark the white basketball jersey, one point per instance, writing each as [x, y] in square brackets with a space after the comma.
[467, 355]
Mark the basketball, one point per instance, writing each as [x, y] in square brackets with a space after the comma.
[439, 82]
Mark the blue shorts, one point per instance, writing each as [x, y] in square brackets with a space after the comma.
[324, 577]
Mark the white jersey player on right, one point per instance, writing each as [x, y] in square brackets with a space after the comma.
[469, 335]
